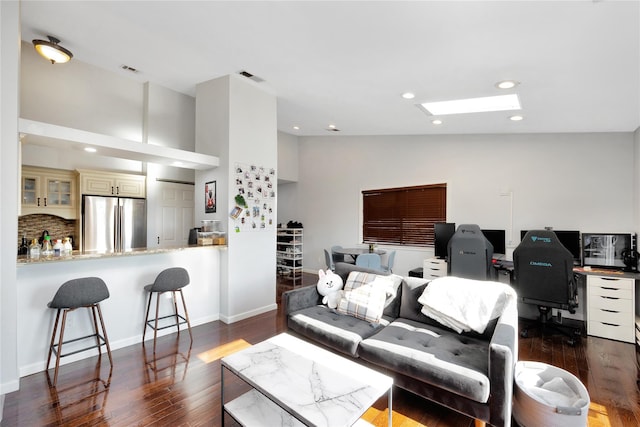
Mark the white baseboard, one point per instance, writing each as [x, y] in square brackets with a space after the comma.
[9, 387]
[247, 314]
[115, 345]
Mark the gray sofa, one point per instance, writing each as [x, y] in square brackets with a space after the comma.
[469, 372]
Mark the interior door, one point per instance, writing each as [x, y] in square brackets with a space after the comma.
[173, 210]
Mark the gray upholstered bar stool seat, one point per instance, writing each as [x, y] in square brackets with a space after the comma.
[169, 280]
[86, 292]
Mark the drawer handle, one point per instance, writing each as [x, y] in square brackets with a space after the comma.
[609, 311]
[609, 289]
[609, 278]
[609, 324]
[609, 297]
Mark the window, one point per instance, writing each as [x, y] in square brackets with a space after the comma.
[403, 216]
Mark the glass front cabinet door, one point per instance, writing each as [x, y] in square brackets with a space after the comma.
[48, 191]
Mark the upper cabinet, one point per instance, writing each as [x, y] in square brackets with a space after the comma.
[48, 191]
[112, 184]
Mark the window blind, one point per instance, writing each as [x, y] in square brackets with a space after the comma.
[403, 216]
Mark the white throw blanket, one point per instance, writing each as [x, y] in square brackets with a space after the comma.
[554, 392]
[464, 304]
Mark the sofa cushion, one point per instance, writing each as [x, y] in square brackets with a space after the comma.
[434, 355]
[337, 331]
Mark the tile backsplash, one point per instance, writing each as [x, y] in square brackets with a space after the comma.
[58, 228]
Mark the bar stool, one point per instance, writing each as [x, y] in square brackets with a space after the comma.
[169, 280]
[85, 292]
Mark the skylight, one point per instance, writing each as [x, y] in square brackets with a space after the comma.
[473, 105]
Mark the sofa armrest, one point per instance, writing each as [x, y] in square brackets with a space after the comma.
[300, 298]
[503, 355]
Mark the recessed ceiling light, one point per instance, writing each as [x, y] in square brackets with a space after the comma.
[177, 163]
[473, 105]
[90, 149]
[516, 118]
[507, 84]
[436, 121]
[296, 127]
[408, 95]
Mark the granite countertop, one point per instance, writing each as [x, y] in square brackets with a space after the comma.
[78, 255]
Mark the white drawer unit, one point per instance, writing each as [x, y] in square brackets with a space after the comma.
[611, 307]
[434, 267]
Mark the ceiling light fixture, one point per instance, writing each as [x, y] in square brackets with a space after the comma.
[472, 105]
[516, 118]
[52, 50]
[436, 121]
[296, 128]
[90, 149]
[408, 95]
[507, 84]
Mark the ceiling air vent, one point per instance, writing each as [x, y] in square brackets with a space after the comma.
[250, 76]
[128, 68]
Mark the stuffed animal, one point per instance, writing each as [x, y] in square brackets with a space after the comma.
[330, 287]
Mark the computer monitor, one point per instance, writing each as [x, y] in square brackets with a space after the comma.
[497, 239]
[442, 233]
[606, 250]
[570, 239]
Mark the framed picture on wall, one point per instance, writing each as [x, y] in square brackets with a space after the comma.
[210, 197]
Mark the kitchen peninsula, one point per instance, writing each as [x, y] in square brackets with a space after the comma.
[125, 274]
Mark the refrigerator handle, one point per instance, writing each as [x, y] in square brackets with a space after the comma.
[116, 222]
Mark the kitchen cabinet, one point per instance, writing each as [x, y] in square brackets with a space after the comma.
[48, 191]
[112, 184]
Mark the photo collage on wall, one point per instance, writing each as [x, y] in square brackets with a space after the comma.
[257, 186]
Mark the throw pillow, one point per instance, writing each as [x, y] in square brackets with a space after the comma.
[365, 302]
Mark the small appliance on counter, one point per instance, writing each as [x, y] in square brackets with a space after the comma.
[210, 233]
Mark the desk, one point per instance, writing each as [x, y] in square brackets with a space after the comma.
[354, 252]
[609, 301]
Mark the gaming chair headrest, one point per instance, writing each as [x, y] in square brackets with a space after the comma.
[539, 242]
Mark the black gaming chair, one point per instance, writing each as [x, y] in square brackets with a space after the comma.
[470, 254]
[543, 276]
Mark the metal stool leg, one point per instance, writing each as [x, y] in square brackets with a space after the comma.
[92, 308]
[155, 329]
[53, 337]
[64, 321]
[186, 314]
[175, 311]
[104, 335]
[146, 319]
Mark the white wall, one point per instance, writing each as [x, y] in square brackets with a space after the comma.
[123, 311]
[80, 96]
[287, 158]
[567, 181]
[236, 121]
[10, 157]
[170, 121]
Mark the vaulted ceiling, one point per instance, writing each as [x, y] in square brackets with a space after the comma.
[346, 63]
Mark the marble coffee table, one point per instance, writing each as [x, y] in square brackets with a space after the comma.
[296, 383]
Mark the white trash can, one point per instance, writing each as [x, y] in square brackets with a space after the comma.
[545, 395]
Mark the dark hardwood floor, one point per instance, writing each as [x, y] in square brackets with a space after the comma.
[181, 386]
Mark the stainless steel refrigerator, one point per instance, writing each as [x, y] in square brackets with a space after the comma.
[113, 224]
